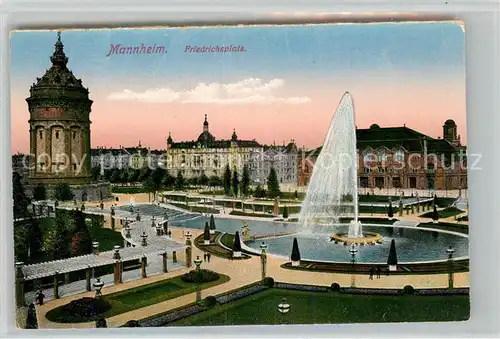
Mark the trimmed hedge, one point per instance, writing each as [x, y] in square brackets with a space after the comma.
[172, 316]
[210, 301]
[86, 307]
[335, 287]
[300, 287]
[268, 281]
[242, 293]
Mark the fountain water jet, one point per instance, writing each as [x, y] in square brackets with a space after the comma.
[332, 192]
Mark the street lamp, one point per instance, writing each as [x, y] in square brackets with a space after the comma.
[263, 258]
[197, 262]
[98, 285]
[450, 252]
[353, 250]
[127, 229]
[144, 237]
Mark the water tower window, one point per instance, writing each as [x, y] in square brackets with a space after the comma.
[74, 167]
[41, 135]
[74, 135]
[57, 134]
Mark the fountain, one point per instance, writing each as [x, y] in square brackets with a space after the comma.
[332, 193]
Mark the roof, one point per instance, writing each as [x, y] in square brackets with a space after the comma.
[398, 137]
[215, 144]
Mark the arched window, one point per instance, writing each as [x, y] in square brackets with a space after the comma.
[399, 156]
[381, 155]
[368, 157]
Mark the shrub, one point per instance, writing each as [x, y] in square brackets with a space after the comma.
[204, 276]
[132, 323]
[268, 281]
[335, 287]
[87, 307]
[408, 289]
[210, 301]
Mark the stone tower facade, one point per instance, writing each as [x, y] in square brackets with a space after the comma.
[59, 109]
[450, 133]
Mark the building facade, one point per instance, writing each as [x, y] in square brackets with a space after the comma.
[282, 158]
[209, 156]
[59, 122]
[126, 157]
[399, 157]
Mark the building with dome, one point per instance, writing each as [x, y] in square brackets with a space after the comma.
[60, 107]
[208, 155]
[400, 157]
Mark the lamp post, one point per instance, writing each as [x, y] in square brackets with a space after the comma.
[127, 229]
[197, 262]
[98, 285]
[263, 259]
[283, 307]
[144, 237]
[450, 252]
[353, 250]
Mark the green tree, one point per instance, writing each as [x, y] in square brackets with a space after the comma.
[273, 186]
[144, 173]
[133, 175]
[39, 192]
[60, 248]
[227, 180]
[295, 251]
[237, 242]
[81, 242]
[157, 177]
[393, 257]
[19, 197]
[63, 192]
[179, 181]
[285, 212]
[35, 237]
[96, 173]
[149, 186]
[168, 180]
[236, 183]
[206, 232]
[215, 181]
[245, 181]
[260, 192]
[21, 244]
[203, 179]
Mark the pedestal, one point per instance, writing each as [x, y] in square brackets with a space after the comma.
[144, 263]
[164, 255]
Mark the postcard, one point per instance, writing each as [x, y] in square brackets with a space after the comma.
[240, 175]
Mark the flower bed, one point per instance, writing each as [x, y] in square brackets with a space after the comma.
[443, 291]
[240, 294]
[202, 276]
[372, 291]
[172, 316]
[299, 287]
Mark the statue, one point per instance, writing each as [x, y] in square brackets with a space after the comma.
[245, 232]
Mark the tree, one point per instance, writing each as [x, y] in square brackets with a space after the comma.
[259, 192]
[435, 214]
[40, 192]
[393, 257]
[168, 180]
[35, 237]
[245, 181]
[227, 180]
[237, 242]
[157, 177]
[285, 212]
[215, 181]
[203, 180]
[114, 176]
[60, 239]
[212, 222]
[96, 173]
[236, 183]
[295, 251]
[133, 175]
[21, 244]
[273, 186]
[390, 213]
[144, 173]
[81, 242]
[19, 197]
[179, 182]
[148, 186]
[63, 192]
[206, 232]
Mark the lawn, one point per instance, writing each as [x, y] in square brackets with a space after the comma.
[446, 213]
[138, 297]
[335, 308]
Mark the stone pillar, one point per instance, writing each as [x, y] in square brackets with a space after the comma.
[20, 302]
[88, 274]
[165, 227]
[407, 211]
[118, 278]
[144, 263]
[66, 278]
[48, 147]
[112, 223]
[164, 255]
[174, 256]
[56, 285]
[189, 253]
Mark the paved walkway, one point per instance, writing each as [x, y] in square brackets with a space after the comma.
[242, 273]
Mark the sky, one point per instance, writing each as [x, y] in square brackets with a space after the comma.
[284, 83]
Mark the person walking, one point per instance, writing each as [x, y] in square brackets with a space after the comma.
[378, 272]
[371, 273]
[208, 256]
[39, 297]
[204, 257]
